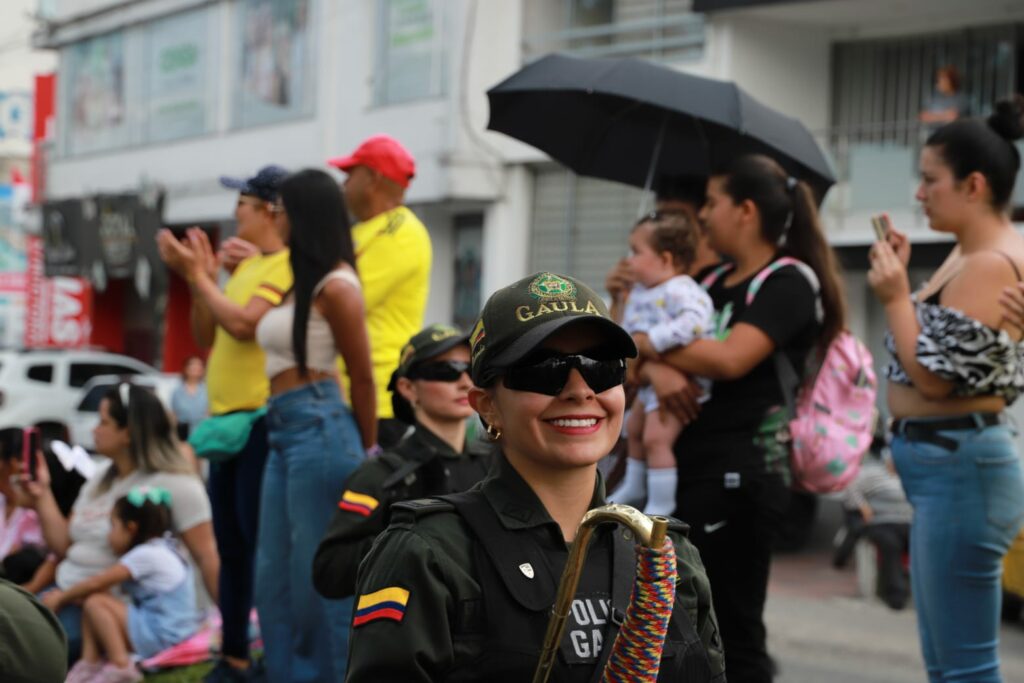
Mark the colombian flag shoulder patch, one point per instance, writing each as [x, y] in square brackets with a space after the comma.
[387, 603]
[359, 503]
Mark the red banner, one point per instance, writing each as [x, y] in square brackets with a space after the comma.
[59, 309]
[43, 111]
[12, 283]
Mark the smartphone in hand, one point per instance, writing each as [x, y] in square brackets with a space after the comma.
[30, 445]
[882, 225]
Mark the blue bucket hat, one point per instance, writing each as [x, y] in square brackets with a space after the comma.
[266, 184]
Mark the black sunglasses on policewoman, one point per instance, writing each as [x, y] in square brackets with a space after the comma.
[439, 371]
[549, 375]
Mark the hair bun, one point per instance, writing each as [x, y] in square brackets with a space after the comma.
[1008, 118]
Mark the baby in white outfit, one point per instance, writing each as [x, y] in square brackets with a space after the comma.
[671, 310]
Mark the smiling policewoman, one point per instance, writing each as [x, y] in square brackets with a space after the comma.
[460, 588]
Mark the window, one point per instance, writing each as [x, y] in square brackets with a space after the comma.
[469, 243]
[663, 30]
[151, 82]
[881, 86]
[83, 372]
[580, 225]
[411, 58]
[40, 373]
[91, 401]
[274, 62]
[92, 78]
[180, 72]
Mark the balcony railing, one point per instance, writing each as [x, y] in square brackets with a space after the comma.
[671, 38]
[876, 169]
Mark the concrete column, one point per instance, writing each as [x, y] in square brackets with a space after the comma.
[507, 224]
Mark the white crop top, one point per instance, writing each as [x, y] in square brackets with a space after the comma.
[274, 332]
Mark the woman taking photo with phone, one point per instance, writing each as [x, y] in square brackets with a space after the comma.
[136, 438]
[955, 366]
[461, 588]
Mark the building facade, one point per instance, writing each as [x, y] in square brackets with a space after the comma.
[174, 93]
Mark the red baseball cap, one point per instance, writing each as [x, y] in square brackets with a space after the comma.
[383, 154]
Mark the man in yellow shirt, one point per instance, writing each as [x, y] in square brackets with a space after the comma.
[393, 255]
[236, 380]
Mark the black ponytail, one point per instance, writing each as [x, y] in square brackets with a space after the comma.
[789, 219]
[987, 147]
[319, 239]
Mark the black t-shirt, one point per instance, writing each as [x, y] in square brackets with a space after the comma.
[784, 309]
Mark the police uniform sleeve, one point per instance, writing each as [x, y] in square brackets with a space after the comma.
[402, 625]
[694, 591]
[361, 515]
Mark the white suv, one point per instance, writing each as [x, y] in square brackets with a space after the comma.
[42, 387]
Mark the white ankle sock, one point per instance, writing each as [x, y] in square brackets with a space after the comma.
[630, 490]
[661, 491]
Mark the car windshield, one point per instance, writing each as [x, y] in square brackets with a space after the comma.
[91, 401]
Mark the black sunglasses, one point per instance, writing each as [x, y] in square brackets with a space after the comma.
[439, 371]
[549, 375]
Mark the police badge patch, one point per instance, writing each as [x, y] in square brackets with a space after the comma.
[551, 287]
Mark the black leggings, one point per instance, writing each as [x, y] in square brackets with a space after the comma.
[734, 529]
[234, 490]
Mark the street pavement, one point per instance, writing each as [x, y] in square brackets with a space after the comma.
[821, 631]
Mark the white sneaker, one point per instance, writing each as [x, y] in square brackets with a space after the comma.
[118, 674]
[83, 671]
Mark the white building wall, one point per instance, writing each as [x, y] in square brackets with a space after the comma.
[778, 57]
[507, 232]
[439, 301]
[783, 65]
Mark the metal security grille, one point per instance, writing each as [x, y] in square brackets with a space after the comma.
[880, 86]
[580, 225]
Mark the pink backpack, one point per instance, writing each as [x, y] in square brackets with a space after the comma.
[833, 410]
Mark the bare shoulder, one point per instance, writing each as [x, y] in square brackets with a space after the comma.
[990, 267]
[976, 288]
[341, 282]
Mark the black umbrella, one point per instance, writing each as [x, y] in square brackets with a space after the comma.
[632, 121]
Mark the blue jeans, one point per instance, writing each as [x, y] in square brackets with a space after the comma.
[234, 490]
[314, 447]
[968, 505]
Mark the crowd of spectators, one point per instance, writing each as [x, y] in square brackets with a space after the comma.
[325, 400]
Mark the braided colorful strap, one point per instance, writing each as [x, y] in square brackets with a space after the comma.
[636, 653]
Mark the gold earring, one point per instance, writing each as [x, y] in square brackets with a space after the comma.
[493, 433]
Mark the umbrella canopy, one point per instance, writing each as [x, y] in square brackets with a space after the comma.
[630, 120]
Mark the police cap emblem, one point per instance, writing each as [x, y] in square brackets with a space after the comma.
[551, 287]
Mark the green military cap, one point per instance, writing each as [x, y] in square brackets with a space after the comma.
[519, 317]
[427, 343]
